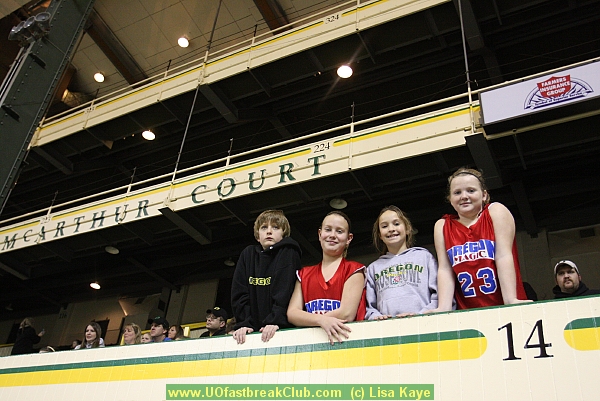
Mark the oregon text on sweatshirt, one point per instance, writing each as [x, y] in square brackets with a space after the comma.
[263, 283]
[404, 283]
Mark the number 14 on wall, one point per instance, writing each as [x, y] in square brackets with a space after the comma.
[541, 344]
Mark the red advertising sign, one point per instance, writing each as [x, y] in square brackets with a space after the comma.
[555, 86]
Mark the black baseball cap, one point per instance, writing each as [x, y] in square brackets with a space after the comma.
[218, 312]
[160, 321]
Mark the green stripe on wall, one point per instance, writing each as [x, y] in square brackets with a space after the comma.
[321, 347]
[587, 323]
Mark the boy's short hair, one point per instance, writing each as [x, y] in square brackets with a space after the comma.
[272, 216]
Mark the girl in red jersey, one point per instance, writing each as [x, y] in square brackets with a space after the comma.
[332, 292]
[476, 248]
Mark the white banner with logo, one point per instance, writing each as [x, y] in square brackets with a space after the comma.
[541, 93]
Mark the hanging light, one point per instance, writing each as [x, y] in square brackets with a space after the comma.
[338, 203]
[95, 285]
[99, 77]
[183, 42]
[111, 249]
[148, 135]
[345, 71]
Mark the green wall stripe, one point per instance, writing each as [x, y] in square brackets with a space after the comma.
[587, 323]
[293, 349]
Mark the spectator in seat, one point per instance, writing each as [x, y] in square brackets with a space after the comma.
[568, 281]
[216, 320]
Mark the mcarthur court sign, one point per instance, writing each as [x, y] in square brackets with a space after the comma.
[401, 139]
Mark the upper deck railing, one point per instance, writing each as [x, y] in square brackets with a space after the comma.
[311, 31]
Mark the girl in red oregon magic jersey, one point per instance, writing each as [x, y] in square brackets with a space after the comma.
[477, 253]
[333, 292]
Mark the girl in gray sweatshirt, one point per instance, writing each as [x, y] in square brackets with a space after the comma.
[403, 281]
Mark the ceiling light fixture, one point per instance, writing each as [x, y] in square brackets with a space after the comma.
[344, 71]
[95, 285]
[338, 203]
[111, 249]
[148, 135]
[99, 77]
[229, 262]
[183, 42]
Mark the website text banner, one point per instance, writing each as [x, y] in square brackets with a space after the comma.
[518, 352]
[542, 93]
[401, 139]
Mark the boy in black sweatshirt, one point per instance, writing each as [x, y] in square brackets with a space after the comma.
[264, 278]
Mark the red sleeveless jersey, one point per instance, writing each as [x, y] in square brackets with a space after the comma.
[471, 251]
[322, 296]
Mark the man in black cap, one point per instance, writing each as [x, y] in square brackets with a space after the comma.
[159, 329]
[568, 281]
[216, 320]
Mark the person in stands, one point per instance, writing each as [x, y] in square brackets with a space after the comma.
[92, 337]
[159, 330]
[26, 338]
[132, 334]
[176, 332]
[216, 320]
[568, 281]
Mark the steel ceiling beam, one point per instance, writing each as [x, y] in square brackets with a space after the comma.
[520, 195]
[272, 13]
[475, 40]
[261, 81]
[306, 244]
[198, 231]
[26, 94]
[14, 272]
[63, 252]
[280, 127]
[484, 159]
[363, 182]
[114, 50]
[57, 159]
[141, 232]
[220, 102]
[154, 275]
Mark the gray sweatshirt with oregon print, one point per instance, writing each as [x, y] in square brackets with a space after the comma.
[404, 283]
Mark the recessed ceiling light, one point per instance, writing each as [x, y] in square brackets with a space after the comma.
[148, 135]
[95, 285]
[111, 249]
[183, 41]
[344, 71]
[99, 77]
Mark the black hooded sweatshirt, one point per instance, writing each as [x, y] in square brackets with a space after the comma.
[263, 283]
[582, 291]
